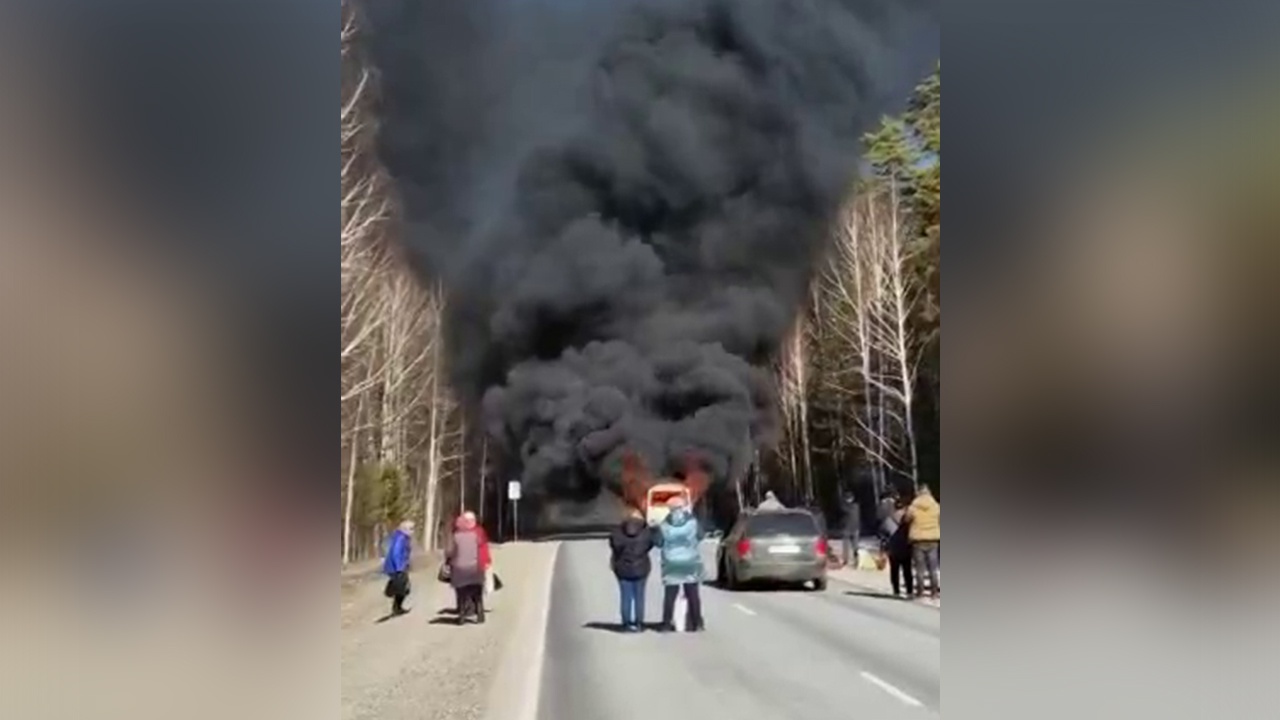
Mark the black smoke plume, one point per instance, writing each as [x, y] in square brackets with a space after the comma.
[625, 202]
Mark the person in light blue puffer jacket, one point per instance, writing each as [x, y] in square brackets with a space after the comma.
[681, 565]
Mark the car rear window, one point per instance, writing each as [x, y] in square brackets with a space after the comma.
[767, 523]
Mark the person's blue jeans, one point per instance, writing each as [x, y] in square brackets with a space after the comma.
[632, 594]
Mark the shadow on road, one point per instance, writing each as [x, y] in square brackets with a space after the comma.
[758, 587]
[876, 594]
[449, 616]
[392, 616]
[614, 627]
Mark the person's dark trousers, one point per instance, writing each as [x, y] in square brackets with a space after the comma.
[399, 584]
[900, 571]
[470, 602]
[631, 593]
[693, 618]
[925, 554]
[850, 548]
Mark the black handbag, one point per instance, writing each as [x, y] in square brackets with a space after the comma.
[397, 584]
[445, 573]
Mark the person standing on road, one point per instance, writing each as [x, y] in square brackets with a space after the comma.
[850, 526]
[771, 502]
[924, 519]
[681, 556]
[898, 548]
[490, 579]
[469, 559]
[396, 566]
[630, 544]
[889, 506]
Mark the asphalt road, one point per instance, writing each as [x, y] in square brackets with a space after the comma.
[766, 655]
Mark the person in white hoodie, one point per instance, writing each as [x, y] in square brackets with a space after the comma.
[771, 502]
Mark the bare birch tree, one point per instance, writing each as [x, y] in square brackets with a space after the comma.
[868, 296]
[793, 400]
[398, 416]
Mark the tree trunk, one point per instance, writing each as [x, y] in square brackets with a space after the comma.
[353, 463]
[901, 297]
[484, 472]
[429, 521]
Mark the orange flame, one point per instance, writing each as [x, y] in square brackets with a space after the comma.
[635, 480]
[695, 477]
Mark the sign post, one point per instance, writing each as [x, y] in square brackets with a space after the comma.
[513, 494]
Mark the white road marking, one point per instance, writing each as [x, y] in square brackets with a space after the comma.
[533, 680]
[744, 609]
[905, 698]
[517, 688]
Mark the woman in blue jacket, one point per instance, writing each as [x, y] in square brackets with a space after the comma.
[681, 565]
[396, 566]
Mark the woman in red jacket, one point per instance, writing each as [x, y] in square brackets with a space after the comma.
[469, 560]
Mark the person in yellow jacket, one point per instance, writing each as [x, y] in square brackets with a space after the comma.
[924, 530]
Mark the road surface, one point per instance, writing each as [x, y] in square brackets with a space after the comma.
[766, 655]
[423, 666]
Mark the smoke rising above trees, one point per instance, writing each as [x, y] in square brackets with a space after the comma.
[625, 203]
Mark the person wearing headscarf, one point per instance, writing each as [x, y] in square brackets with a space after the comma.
[469, 559]
[396, 566]
[681, 560]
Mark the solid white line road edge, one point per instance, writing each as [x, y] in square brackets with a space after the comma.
[744, 609]
[905, 698]
[517, 684]
[532, 690]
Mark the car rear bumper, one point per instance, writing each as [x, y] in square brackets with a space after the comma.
[781, 572]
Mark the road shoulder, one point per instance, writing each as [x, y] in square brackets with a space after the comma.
[514, 694]
[423, 666]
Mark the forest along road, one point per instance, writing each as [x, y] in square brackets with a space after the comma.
[422, 665]
[766, 655]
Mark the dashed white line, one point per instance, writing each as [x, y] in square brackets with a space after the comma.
[744, 609]
[905, 698]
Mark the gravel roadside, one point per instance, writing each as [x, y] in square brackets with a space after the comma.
[421, 665]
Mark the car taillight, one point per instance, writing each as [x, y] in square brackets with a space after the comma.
[820, 547]
[744, 547]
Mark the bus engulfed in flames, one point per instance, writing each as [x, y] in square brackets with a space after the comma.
[651, 495]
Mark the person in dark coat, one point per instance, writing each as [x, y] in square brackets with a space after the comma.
[469, 560]
[850, 526]
[396, 566]
[630, 544]
[898, 548]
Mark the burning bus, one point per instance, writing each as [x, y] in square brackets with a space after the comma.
[661, 493]
[650, 496]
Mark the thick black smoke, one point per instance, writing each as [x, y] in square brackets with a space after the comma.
[625, 202]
